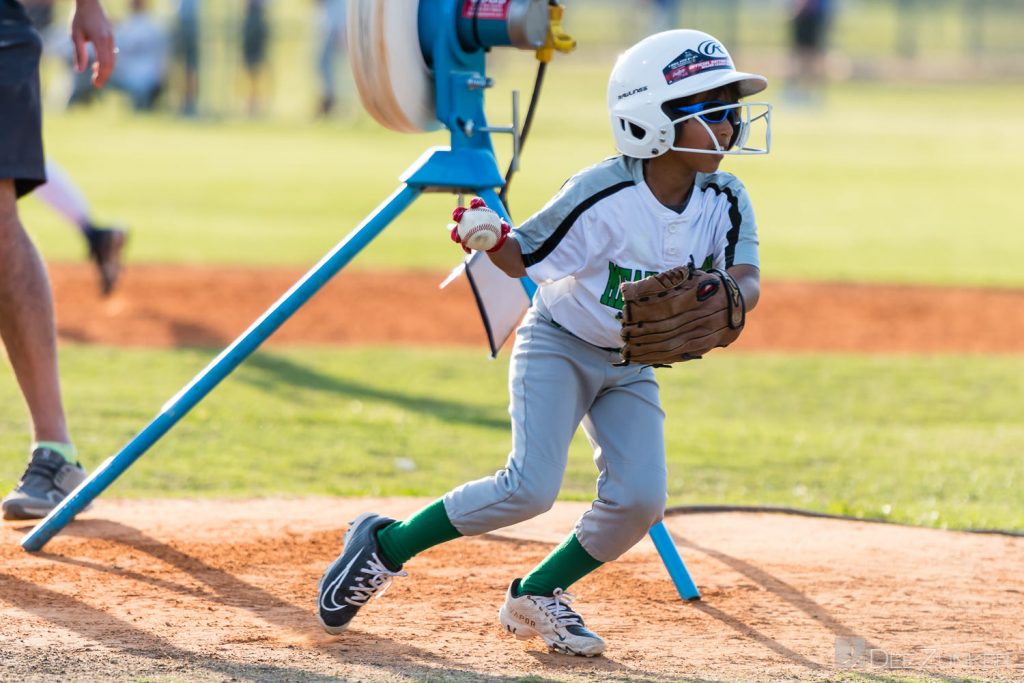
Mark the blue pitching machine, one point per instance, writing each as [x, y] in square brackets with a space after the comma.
[419, 65]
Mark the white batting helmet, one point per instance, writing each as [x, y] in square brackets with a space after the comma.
[668, 66]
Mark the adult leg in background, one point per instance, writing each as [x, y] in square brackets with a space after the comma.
[27, 322]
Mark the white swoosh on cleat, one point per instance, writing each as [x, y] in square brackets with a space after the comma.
[332, 586]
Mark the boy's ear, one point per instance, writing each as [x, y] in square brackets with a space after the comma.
[679, 132]
[669, 108]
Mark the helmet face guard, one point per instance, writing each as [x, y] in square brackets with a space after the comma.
[751, 123]
[674, 65]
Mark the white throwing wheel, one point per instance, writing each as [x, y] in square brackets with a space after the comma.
[394, 83]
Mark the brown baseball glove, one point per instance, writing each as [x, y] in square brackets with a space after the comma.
[679, 315]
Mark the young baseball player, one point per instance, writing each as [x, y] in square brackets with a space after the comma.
[674, 104]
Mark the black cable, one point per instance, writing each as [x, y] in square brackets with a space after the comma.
[772, 509]
[538, 82]
[476, 25]
[534, 99]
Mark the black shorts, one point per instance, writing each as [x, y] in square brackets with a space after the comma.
[255, 34]
[186, 44]
[21, 117]
[809, 30]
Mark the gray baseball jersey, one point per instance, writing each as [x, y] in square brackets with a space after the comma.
[604, 227]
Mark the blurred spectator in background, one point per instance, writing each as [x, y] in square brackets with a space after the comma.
[809, 40]
[55, 38]
[331, 45]
[141, 72]
[144, 43]
[60, 192]
[255, 38]
[56, 46]
[186, 53]
[664, 15]
[105, 243]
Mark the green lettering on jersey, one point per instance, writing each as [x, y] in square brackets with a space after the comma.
[616, 276]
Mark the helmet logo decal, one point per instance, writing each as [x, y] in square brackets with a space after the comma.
[634, 91]
[709, 56]
[711, 48]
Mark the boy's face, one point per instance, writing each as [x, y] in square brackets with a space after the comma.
[694, 134]
[699, 130]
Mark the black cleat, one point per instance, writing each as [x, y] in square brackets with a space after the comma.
[105, 246]
[357, 576]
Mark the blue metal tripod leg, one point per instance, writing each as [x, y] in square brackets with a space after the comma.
[673, 562]
[221, 366]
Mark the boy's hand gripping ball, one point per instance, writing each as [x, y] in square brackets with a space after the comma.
[478, 228]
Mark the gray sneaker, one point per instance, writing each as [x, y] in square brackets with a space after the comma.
[48, 479]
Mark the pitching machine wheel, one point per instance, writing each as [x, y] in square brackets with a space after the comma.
[394, 83]
[399, 49]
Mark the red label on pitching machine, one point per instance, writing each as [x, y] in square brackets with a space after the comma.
[486, 9]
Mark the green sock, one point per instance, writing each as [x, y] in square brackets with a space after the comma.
[66, 450]
[429, 527]
[567, 564]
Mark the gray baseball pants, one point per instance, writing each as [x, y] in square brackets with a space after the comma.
[557, 381]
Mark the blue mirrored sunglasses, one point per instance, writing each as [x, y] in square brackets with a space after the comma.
[732, 115]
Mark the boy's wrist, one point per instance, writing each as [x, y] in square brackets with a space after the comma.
[506, 229]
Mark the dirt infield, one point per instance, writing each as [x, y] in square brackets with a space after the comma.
[224, 590]
[164, 306]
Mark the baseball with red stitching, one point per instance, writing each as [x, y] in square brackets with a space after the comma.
[479, 228]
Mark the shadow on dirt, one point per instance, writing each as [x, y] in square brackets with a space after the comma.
[97, 625]
[118, 646]
[798, 600]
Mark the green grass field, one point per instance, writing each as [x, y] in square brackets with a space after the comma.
[932, 441]
[885, 182]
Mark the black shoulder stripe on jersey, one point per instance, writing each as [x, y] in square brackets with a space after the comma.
[563, 228]
[735, 217]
